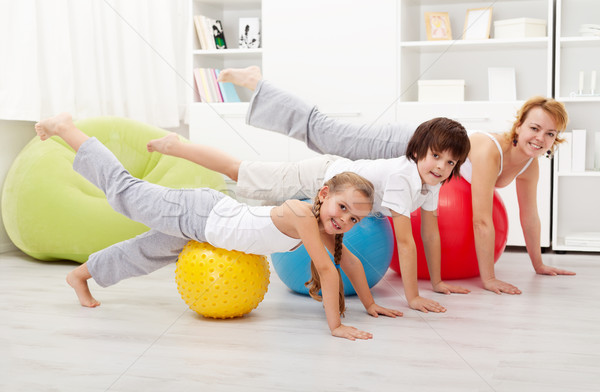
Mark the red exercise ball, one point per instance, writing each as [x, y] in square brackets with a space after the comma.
[455, 220]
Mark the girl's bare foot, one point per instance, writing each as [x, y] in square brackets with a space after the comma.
[245, 77]
[78, 280]
[53, 125]
[163, 145]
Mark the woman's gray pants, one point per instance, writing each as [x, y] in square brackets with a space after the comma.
[280, 111]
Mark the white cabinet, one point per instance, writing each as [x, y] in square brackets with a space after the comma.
[576, 218]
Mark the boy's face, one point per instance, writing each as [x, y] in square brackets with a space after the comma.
[436, 167]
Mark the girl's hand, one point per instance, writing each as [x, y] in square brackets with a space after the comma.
[375, 310]
[498, 286]
[445, 288]
[350, 333]
[547, 270]
[426, 305]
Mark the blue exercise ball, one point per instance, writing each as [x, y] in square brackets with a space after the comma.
[371, 240]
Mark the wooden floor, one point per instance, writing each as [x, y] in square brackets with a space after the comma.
[144, 338]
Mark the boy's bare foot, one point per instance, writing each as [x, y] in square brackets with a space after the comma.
[163, 145]
[245, 77]
[53, 125]
[78, 280]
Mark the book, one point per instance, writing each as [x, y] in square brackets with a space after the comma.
[227, 90]
[199, 85]
[249, 33]
[578, 150]
[208, 80]
[219, 36]
[205, 86]
[200, 31]
[215, 85]
[564, 156]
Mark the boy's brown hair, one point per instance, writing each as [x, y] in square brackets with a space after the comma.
[438, 135]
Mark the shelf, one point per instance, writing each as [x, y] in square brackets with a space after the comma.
[440, 46]
[578, 42]
[229, 52]
[578, 99]
[579, 174]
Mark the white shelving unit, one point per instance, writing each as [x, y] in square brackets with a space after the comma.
[575, 218]
[228, 12]
[469, 60]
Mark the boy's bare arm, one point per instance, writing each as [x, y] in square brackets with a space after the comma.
[431, 243]
[407, 255]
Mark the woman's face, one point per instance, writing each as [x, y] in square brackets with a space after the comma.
[537, 133]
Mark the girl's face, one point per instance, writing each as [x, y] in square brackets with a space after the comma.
[341, 210]
[436, 167]
[537, 133]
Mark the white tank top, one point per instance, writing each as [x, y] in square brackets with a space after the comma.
[466, 170]
[233, 225]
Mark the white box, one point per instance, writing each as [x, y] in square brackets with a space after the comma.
[441, 90]
[578, 150]
[519, 28]
[564, 153]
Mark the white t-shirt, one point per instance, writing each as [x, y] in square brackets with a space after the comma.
[397, 183]
[233, 225]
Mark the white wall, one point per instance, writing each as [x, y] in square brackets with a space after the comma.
[14, 135]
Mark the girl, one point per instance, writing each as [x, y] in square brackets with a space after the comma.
[495, 160]
[177, 215]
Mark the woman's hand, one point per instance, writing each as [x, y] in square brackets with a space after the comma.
[547, 270]
[375, 310]
[426, 305]
[498, 287]
[445, 288]
[350, 333]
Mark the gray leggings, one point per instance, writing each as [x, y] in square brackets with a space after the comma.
[175, 216]
[280, 111]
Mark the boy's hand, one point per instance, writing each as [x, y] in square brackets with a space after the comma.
[350, 333]
[425, 305]
[375, 310]
[445, 288]
[498, 286]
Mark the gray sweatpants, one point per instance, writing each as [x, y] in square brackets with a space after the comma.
[280, 111]
[175, 216]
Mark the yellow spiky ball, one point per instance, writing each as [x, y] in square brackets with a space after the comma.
[219, 283]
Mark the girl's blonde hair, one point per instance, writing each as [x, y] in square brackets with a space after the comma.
[336, 184]
[553, 108]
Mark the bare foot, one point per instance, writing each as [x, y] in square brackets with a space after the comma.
[245, 77]
[164, 144]
[53, 126]
[78, 280]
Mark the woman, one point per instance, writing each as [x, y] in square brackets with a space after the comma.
[495, 160]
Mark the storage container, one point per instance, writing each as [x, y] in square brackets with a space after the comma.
[519, 28]
[441, 90]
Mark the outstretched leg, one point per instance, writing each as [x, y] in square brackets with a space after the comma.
[209, 157]
[176, 212]
[245, 77]
[280, 111]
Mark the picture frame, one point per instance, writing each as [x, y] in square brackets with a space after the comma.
[437, 25]
[478, 22]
